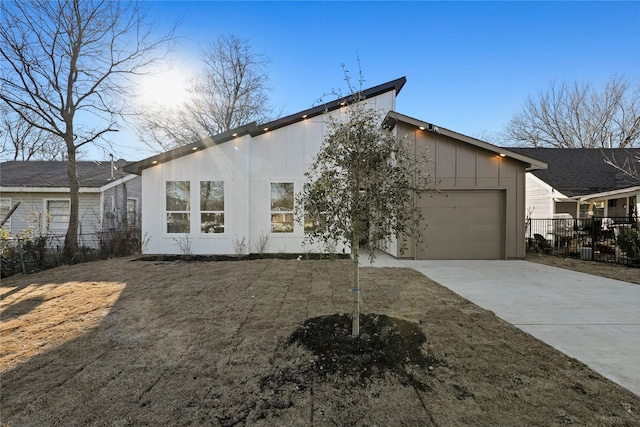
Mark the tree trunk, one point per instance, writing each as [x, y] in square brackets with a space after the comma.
[355, 290]
[71, 238]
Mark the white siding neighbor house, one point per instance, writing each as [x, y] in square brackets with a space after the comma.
[110, 200]
[579, 183]
[213, 195]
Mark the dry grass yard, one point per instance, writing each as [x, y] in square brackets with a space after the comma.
[604, 269]
[132, 343]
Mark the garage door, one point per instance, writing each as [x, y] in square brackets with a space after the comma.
[462, 225]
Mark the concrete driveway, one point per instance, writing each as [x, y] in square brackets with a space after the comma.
[593, 319]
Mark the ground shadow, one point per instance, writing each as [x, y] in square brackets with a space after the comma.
[21, 308]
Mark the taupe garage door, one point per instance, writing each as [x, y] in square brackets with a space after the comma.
[462, 225]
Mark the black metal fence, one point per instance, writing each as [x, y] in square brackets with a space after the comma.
[611, 239]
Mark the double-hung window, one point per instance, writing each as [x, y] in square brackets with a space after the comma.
[58, 215]
[282, 207]
[132, 214]
[211, 207]
[5, 207]
[178, 205]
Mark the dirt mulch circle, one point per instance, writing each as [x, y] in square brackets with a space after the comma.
[385, 345]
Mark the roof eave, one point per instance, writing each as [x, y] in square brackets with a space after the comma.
[396, 85]
[253, 129]
[532, 164]
[137, 167]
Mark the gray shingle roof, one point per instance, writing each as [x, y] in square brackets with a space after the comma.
[581, 171]
[54, 174]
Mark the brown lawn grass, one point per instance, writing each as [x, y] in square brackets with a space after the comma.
[604, 269]
[124, 342]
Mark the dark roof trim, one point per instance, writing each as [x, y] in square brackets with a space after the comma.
[393, 117]
[136, 168]
[253, 129]
[330, 106]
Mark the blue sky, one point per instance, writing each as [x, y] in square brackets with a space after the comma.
[469, 65]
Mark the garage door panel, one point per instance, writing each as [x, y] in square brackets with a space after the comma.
[462, 225]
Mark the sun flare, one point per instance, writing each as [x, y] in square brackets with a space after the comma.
[165, 89]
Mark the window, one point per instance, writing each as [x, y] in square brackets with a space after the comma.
[282, 207]
[592, 209]
[132, 213]
[58, 216]
[5, 207]
[178, 207]
[211, 207]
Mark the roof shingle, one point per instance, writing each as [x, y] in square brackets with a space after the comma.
[581, 171]
[53, 174]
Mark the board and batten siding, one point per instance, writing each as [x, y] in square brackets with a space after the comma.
[456, 166]
[247, 165]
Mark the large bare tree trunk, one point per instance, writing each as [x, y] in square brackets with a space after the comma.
[71, 238]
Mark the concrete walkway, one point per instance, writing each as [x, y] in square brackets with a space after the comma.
[593, 319]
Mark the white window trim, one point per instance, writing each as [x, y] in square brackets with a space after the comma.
[272, 233]
[137, 223]
[7, 225]
[227, 218]
[165, 231]
[45, 210]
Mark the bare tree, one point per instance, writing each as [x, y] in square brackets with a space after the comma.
[21, 140]
[66, 70]
[231, 91]
[629, 164]
[579, 116]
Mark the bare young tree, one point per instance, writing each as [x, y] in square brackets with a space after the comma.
[66, 70]
[231, 91]
[580, 116]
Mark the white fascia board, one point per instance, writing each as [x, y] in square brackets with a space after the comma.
[623, 192]
[47, 190]
[117, 182]
[558, 196]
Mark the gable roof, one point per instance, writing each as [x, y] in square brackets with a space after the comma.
[254, 129]
[53, 174]
[581, 171]
[533, 164]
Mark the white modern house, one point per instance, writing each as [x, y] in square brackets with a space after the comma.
[240, 185]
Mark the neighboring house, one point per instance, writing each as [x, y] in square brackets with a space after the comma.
[110, 200]
[209, 196]
[578, 182]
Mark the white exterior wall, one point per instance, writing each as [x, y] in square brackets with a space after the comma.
[247, 165]
[30, 215]
[539, 198]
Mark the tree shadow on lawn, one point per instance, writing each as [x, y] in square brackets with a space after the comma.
[260, 343]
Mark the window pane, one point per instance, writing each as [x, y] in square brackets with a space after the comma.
[178, 195]
[282, 196]
[212, 223]
[58, 215]
[5, 207]
[178, 223]
[282, 223]
[212, 196]
[132, 212]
